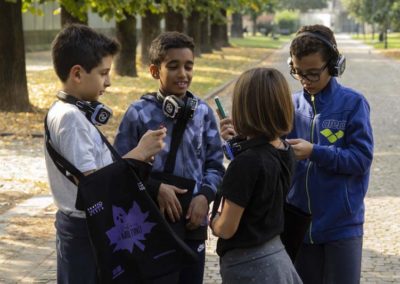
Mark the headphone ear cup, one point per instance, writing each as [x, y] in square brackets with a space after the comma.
[289, 61]
[337, 66]
[332, 68]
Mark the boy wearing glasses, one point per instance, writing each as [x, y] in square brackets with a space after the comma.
[333, 143]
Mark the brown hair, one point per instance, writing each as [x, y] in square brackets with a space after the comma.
[306, 45]
[262, 104]
[80, 45]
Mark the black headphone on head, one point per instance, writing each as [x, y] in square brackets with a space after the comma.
[95, 112]
[177, 108]
[336, 64]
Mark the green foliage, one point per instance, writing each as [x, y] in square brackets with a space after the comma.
[287, 21]
[303, 5]
[77, 8]
[385, 13]
[257, 7]
[31, 6]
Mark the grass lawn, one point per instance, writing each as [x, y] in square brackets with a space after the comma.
[210, 71]
[393, 49]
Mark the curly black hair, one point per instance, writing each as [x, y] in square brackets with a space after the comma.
[167, 40]
[303, 45]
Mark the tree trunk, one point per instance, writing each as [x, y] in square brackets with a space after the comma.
[13, 83]
[373, 32]
[219, 32]
[174, 21]
[254, 21]
[125, 63]
[237, 25]
[224, 30]
[150, 30]
[68, 18]
[216, 36]
[194, 30]
[205, 44]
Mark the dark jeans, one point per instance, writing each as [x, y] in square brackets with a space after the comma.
[330, 263]
[75, 258]
[194, 274]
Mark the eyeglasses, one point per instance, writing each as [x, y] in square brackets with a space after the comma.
[311, 77]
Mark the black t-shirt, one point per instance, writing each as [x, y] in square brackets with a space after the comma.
[258, 180]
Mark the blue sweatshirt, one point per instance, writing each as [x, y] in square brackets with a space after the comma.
[199, 156]
[332, 183]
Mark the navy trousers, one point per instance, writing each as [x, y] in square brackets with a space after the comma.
[76, 263]
[330, 263]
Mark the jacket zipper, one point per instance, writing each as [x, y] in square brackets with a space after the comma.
[310, 164]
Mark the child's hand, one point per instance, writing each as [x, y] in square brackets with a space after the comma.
[302, 148]
[227, 130]
[168, 202]
[197, 211]
[150, 144]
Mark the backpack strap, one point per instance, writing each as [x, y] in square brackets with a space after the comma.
[176, 139]
[63, 165]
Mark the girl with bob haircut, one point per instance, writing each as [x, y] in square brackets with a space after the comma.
[256, 183]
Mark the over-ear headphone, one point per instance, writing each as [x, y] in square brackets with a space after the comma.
[95, 112]
[177, 108]
[336, 64]
[238, 144]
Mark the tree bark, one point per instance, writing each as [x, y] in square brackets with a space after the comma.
[237, 25]
[254, 21]
[13, 84]
[194, 30]
[205, 45]
[174, 21]
[150, 30]
[224, 30]
[219, 33]
[68, 18]
[125, 63]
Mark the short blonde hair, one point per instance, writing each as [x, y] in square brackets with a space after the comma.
[262, 104]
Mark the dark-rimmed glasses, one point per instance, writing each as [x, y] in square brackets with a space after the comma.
[311, 77]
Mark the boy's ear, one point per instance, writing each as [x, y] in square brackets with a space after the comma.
[75, 73]
[154, 71]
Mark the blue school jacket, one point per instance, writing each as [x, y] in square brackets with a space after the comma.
[332, 183]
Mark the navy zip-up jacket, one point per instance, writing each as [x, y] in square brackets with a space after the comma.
[332, 183]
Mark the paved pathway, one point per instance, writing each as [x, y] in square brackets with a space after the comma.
[27, 236]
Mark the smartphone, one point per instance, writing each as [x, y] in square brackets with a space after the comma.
[221, 111]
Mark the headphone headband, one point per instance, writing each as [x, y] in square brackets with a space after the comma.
[321, 38]
[337, 64]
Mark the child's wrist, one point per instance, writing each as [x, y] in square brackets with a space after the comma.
[136, 154]
[213, 219]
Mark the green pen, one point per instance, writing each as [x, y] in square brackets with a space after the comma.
[220, 108]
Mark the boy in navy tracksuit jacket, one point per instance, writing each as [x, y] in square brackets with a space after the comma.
[332, 140]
